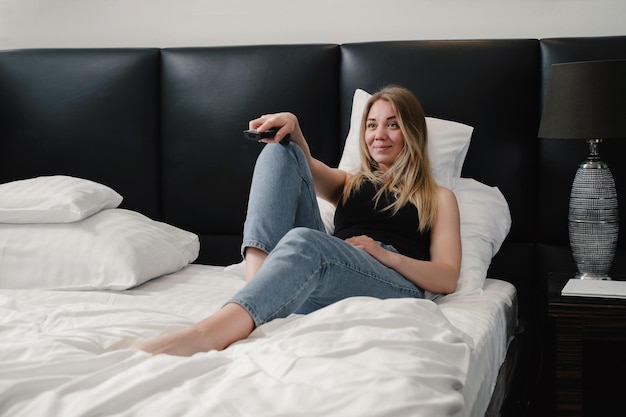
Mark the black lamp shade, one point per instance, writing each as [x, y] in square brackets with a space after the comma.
[585, 100]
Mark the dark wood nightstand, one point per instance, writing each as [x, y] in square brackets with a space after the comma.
[587, 330]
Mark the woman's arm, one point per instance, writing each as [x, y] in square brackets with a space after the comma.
[440, 274]
[328, 181]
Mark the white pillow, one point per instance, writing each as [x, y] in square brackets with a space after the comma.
[448, 143]
[485, 223]
[114, 249]
[327, 211]
[54, 199]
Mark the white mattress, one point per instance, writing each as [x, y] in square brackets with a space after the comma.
[65, 353]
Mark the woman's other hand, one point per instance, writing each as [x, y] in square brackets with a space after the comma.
[370, 246]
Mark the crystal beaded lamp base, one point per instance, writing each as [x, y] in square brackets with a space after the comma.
[593, 220]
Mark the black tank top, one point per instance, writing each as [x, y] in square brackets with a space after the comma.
[358, 216]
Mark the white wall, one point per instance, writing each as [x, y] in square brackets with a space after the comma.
[163, 23]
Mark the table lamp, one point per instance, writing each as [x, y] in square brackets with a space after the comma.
[587, 100]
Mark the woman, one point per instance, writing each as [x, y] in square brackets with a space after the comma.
[397, 234]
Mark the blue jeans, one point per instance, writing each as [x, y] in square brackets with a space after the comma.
[306, 269]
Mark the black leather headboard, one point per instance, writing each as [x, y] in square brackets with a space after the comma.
[164, 126]
[208, 97]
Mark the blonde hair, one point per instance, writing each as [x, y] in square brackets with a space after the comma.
[410, 177]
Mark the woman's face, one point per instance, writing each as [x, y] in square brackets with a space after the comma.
[383, 135]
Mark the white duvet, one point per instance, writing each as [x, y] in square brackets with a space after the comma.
[66, 353]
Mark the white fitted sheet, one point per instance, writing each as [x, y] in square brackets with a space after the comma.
[66, 353]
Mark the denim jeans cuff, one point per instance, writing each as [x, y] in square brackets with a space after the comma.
[246, 306]
[253, 244]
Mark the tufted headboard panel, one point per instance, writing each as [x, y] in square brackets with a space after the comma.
[208, 97]
[490, 85]
[92, 113]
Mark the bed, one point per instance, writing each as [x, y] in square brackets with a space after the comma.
[123, 182]
[362, 356]
[83, 280]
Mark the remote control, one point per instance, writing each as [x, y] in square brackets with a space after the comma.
[255, 136]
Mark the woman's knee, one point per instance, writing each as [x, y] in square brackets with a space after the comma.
[276, 153]
[303, 241]
[304, 236]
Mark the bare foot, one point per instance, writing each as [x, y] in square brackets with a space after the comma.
[216, 332]
[184, 342]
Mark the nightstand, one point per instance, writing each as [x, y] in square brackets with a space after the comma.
[587, 331]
